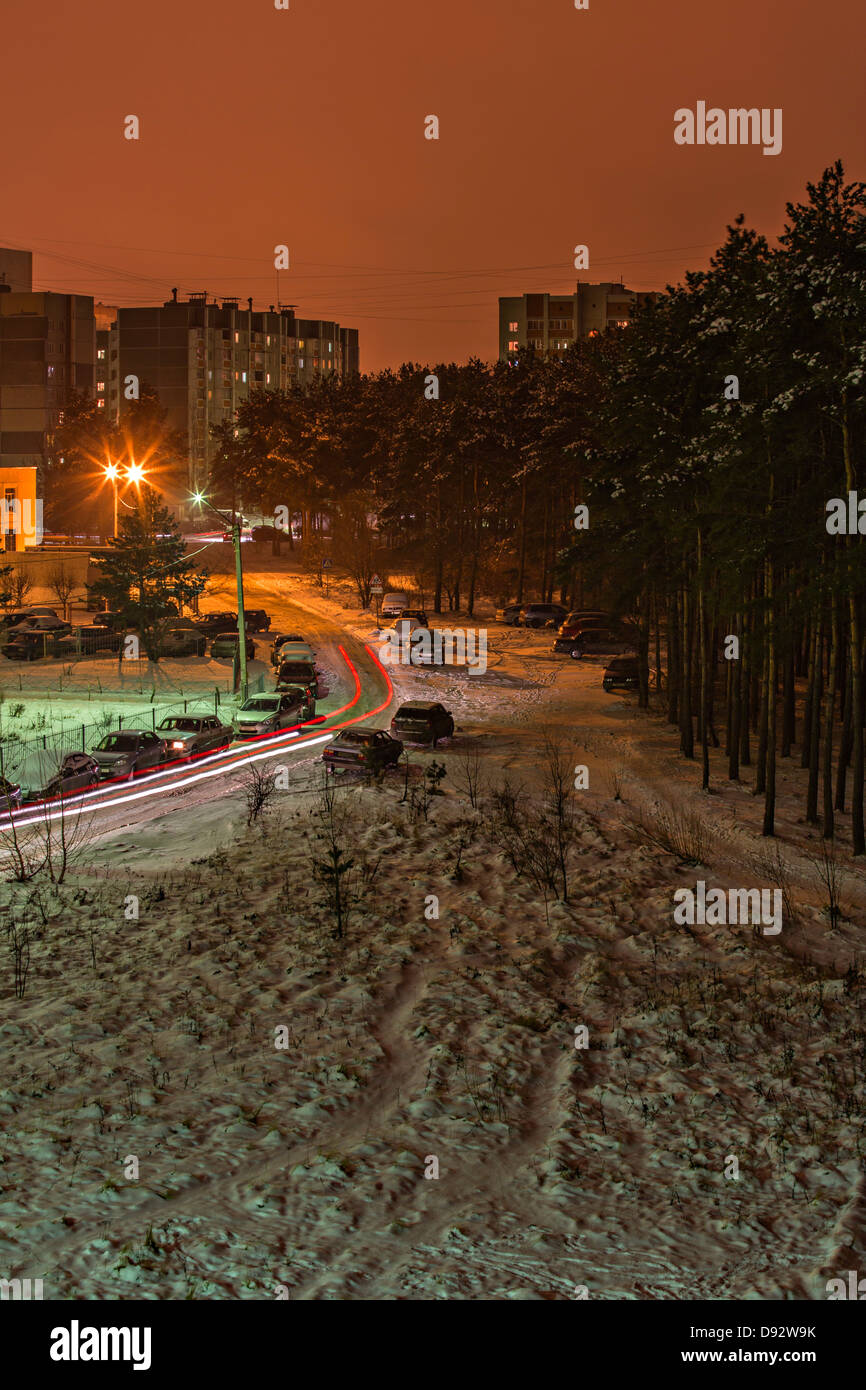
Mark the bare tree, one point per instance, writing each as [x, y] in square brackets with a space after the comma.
[45, 838]
[18, 938]
[260, 788]
[21, 585]
[467, 773]
[62, 583]
[354, 543]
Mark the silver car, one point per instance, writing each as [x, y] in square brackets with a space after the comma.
[128, 751]
[265, 714]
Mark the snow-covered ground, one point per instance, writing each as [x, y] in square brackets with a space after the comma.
[449, 1037]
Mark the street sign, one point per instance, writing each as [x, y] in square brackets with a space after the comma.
[326, 564]
[376, 589]
[375, 580]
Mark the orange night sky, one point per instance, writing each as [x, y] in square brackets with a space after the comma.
[306, 126]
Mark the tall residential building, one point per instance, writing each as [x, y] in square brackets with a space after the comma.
[16, 271]
[204, 359]
[552, 322]
[47, 348]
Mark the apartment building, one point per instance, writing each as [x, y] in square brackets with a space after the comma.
[47, 349]
[204, 360]
[550, 323]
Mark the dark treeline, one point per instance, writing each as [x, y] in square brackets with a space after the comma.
[706, 441]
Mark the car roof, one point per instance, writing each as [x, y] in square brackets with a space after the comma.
[419, 704]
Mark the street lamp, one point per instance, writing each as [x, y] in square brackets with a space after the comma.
[199, 500]
[134, 474]
[113, 473]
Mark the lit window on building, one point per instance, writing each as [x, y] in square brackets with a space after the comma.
[100, 385]
[512, 328]
[513, 346]
[100, 405]
[100, 353]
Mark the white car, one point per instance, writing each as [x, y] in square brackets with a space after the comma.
[393, 604]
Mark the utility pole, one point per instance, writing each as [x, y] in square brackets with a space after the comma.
[199, 498]
[242, 631]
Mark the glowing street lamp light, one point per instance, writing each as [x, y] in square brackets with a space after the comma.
[112, 472]
[134, 474]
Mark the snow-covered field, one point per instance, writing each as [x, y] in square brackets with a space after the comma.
[289, 1098]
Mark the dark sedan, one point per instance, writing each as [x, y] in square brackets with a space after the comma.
[367, 750]
[95, 638]
[596, 642]
[32, 646]
[256, 620]
[298, 673]
[183, 641]
[213, 623]
[542, 614]
[422, 721]
[621, 674]
[127, 752]
[44, 774]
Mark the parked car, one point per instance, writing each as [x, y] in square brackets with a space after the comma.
[43, 622]
[128, 751]
[621, 674]
[584, 617]
[32, 646]
[213, 623]
[422, 721]
[108, 618]
[44, 774]
[297, 672]
[417, 614]
[369, 750]
[186, 734]
[266, 533]
[183, 641]
[596, 642]
[392, 604]
[87, 641]
[542, 614]
[23, 615]
[509, 613]
[256, 620]
[404, 627]
[278, 640]
[223, 648]
[10, 795]
[294, 651]
[267, 714]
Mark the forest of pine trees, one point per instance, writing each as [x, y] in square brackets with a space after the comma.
[706, 440]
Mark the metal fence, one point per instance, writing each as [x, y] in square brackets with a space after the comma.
[73, 737]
